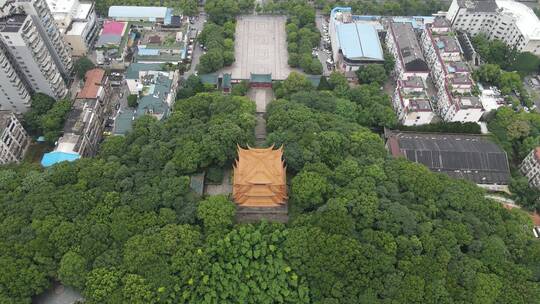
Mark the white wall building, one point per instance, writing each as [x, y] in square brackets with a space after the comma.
[510, 21]
[411, 102]
[77, 23]
[46, 28]
[32, 62]
[14, 92]
[451, 76]
[14, 140]
[530, 167]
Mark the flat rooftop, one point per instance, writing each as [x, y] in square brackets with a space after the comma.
[471, 157]
[447, 44]
[479, 6]
[526, 20]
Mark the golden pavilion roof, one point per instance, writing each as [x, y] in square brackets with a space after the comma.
[260, 177]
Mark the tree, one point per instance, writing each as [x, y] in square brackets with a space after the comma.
[241, 88]
[210, 62]
[236, 256]
[216, 213]
[41, 104]
[372, 73]
[72, 271]
[101, 285]
[296, 82]
[83, 65]
[133, 101]
[52, 122]
[309, 190]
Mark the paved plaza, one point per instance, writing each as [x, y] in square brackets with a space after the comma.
[260, 47]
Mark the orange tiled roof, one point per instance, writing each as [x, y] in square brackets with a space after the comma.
[260, 178]
[535, 218]
[92, 84]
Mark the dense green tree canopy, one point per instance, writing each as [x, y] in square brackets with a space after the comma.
[46, 117]
[83, 65]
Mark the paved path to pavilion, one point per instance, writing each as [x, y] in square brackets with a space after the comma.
[260, 47]
[224, 188]
[262, 97]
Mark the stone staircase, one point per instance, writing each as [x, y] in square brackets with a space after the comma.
[256, 214]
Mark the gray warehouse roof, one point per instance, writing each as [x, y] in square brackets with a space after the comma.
[409, 48]
[471, 157]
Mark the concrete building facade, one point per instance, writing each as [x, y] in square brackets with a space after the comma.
[510, 21]
[14, 140]
[43, 21]
[530, 167]
[32, 63]
[77, 22]
[14, 92]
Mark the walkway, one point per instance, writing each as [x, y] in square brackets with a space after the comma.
[262, 97]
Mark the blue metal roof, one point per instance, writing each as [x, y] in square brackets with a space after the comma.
[151, 12]
[359, 41]
[55, 157]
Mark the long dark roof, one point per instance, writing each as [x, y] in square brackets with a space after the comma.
[409, 48]
[471, 157]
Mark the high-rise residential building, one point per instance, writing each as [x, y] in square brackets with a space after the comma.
[31, 61]
[530, 167]
[45, 25]
[14, 92]
[77, 22]
[510, 21]
[14, 140]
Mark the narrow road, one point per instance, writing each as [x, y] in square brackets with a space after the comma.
[502, 199]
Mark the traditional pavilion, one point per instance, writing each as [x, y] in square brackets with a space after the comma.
[260, 178]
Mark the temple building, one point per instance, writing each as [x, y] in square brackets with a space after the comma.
[260, 178]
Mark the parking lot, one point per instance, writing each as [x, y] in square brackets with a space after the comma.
[323, 51]
[260, 47]
[532, 84]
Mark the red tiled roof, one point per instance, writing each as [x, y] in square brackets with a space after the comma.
[537, 154]
[92, 84]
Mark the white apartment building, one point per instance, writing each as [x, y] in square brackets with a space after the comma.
[46, 28]
[30, 58]
[77, 22]
[510, 21]
[14, 140]
[451, 76]
[530, 167]
[14, 92]
[411, 102]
